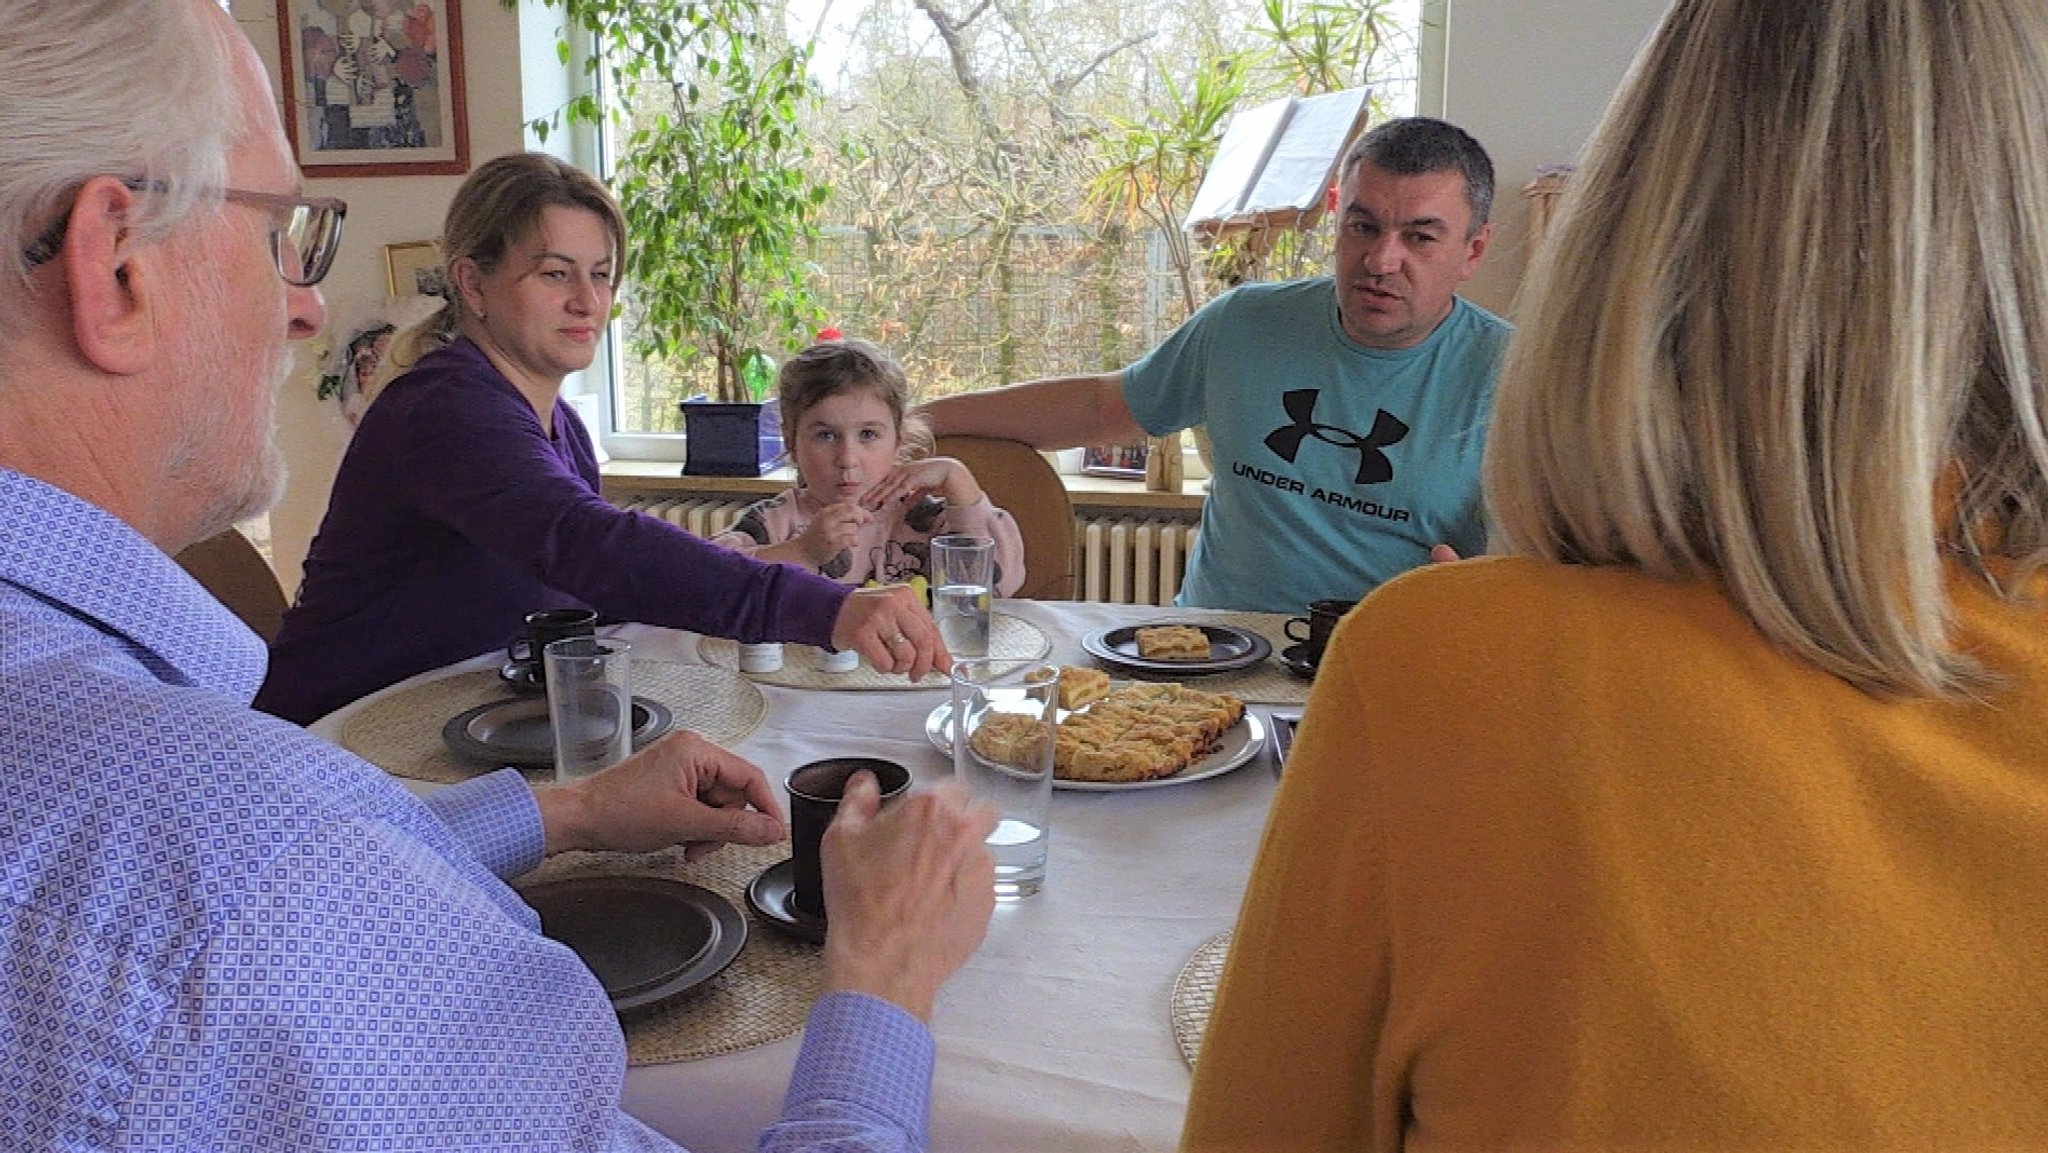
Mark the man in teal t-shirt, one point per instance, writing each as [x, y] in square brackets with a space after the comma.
[1347, 413]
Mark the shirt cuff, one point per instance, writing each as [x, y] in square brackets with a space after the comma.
[496, 817]
[864, 1075]
[807, 608]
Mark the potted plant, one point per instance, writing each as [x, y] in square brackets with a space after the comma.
[720, 206]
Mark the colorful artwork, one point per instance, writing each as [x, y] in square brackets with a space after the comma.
[376, 86]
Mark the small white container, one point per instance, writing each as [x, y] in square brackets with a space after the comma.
[844, 661]
[760, 658]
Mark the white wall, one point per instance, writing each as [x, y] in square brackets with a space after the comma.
[381, 210]
[1529, 79]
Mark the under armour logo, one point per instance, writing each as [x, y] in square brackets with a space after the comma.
[1373, 465]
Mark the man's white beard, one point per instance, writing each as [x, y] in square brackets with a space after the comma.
[209, 449]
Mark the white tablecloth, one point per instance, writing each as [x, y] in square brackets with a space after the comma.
[1057, 1035]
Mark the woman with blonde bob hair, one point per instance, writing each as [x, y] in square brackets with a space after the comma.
[1714, 815]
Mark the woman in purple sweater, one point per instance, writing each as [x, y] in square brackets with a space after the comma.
[469, 496]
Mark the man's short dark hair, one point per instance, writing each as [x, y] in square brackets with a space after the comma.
[1418, 146]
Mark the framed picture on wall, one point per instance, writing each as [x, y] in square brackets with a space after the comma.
[1127, 460]
[374, 87]
[414, 269]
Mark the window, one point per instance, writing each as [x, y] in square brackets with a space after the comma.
[961, 233]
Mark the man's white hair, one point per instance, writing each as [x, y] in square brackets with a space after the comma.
[140, 89]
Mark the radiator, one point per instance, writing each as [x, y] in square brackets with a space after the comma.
[1130, 560]
[702, 515]
[1117, 559]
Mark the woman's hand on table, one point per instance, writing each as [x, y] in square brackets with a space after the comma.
[893, 630]
[680, 790]
[909, 890]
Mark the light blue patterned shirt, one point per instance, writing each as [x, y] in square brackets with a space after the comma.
[219, 932]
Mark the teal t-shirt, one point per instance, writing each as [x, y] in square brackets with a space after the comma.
[1337, 466]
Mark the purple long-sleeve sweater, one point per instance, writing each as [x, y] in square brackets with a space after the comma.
[454, 515]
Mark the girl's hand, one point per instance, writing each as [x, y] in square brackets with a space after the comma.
[832, 532]
[941, 474]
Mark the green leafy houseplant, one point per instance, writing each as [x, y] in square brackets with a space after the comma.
[706, 97]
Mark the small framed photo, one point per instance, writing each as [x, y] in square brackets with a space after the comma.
[1125, 460]
[374, 87]
[414, 269]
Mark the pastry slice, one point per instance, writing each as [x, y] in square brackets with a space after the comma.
[1081, 687]
[1011, 739]
[1173, 643]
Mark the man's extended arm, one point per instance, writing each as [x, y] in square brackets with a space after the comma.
[1058, 412]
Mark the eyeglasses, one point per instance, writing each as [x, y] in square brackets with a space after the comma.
[302, 245]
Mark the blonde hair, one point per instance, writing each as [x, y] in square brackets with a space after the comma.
[497, 206]
[1789, 328]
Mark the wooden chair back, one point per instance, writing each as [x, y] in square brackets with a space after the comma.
[1022, 484]
[238, 576]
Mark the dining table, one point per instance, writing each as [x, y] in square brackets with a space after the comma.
[1059, 1033]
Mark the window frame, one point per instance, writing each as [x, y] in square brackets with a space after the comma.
[594, 391]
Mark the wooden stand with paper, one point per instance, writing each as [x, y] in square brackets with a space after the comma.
[1274, 168]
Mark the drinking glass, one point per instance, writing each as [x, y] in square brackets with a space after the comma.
[590, 704]
[963, 569]
[1004, 712]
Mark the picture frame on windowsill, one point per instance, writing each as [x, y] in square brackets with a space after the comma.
[1120, 460]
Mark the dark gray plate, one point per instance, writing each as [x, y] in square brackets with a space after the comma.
[646, 939]
[1295, 657]
[1229, 649]
[515, 731]
[773, 895]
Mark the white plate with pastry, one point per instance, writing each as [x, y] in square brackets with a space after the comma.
[1237, 744]
[1177, 648]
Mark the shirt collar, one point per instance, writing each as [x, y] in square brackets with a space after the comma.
[85, 561]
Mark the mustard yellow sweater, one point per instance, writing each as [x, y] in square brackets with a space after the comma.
[1571, 859]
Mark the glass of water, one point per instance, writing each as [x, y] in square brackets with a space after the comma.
[1004, 712]
[590, 704]
[963, 581]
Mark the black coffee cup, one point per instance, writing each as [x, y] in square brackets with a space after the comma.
[1316, 627]
[527, 670]
[814, 793]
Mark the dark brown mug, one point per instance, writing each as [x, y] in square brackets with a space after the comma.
[1321, 620]
[814, 793]
[544, 628]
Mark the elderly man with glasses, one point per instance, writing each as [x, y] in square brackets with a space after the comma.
[216, 931]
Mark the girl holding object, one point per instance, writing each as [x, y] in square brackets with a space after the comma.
[867, 502]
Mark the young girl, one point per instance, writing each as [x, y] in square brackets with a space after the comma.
[866, 505]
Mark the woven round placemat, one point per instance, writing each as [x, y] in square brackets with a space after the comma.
[1194, 994]
[1008, 636]
[764, 995]
[401, 733]
[1268, 682]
